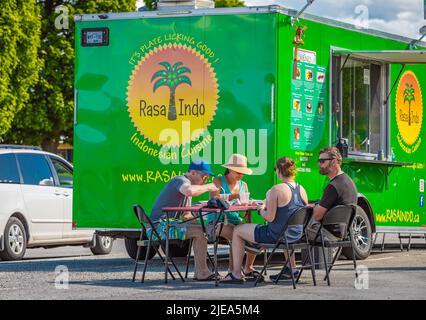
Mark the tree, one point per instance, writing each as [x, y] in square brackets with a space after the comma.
[228, 3]
[19, 63]
[152, 4]
[48, 116]
[171, 77]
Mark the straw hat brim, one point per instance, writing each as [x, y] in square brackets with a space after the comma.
[243, 170]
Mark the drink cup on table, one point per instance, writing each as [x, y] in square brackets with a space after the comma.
[245, 198]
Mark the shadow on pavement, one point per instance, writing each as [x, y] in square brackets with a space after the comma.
[176, 285]
[74, 265]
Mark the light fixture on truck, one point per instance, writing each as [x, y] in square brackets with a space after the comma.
[94, 37]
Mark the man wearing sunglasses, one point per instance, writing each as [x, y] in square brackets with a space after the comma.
[341, 190]
[178, 193]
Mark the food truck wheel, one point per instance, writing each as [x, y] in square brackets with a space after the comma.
[361, 236]
[179, 249]
[132, 249]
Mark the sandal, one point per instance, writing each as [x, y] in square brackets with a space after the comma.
[231, 279]
[253, 275]
[211, 277]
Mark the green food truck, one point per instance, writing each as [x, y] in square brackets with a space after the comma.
[155, 90]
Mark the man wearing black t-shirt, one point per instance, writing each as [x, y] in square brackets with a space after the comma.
[341, 190]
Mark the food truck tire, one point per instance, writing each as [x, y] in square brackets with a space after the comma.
[132, 249]
[361, 237]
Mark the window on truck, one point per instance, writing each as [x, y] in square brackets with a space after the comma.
[359, 92]
[8, 169]
[35, 169]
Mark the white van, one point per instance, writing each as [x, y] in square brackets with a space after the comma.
[36, 204]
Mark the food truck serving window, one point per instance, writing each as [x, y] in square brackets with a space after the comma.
[360, 88]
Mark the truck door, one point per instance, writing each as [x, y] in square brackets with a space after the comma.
[43, 200]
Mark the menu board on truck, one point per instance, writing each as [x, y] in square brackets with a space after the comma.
[308, 114]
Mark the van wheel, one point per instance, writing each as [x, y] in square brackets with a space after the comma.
[361, 237]
[15, 240]
[103, 245]
[132, 249]
[180, 249]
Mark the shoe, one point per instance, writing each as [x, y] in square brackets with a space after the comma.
[286, 275]
[211, 277]
[253, 247]
[231, 279]
[253, 275]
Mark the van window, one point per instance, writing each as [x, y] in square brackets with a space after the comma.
[8, 169]
[360, 95]
[35, 169]
[64, 173]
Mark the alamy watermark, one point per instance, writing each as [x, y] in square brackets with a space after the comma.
[62, 277]
[362, 281]
[216, 146]
[362, 17]
[61, 21]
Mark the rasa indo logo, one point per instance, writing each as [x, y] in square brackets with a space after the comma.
[172, 87]
[409, 112]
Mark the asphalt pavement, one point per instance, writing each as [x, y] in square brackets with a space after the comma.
[74, 273]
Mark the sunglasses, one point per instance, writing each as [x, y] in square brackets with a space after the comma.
[324, 160]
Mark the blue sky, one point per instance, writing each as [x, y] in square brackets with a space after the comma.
[402, 17]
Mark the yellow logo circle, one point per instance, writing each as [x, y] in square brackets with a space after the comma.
[409, 108]
[172, 91]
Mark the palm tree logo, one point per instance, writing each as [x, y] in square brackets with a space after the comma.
[171, 77]
[409, 97]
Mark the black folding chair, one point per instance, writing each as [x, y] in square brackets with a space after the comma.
[218, 226]
[300, 217]
[145, 223]
[339, 218]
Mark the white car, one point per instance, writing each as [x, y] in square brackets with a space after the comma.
[36, 204]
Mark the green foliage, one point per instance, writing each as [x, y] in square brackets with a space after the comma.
[150, 4]
[228, 3]
[48, 114]
[19, 63]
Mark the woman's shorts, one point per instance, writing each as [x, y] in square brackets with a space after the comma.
[261, 234]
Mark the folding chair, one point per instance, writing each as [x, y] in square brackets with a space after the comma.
[341, 216]
[215, 241]
[145, 222]
[300, 217]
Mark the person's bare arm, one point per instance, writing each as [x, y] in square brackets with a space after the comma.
[304, 195]
[189, 190]
[218, 184]
[319, 212]
[271, 205]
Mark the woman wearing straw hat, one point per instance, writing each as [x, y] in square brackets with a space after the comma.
[232, 185]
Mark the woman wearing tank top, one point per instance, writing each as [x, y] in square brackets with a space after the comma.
[282, 201]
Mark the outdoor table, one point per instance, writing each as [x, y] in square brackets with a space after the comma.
[202, 212]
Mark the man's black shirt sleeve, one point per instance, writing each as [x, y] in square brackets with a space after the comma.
[329, 197]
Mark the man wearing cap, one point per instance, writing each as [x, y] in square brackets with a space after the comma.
[177, 193]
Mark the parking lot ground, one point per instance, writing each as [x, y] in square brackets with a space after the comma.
[391, 275]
